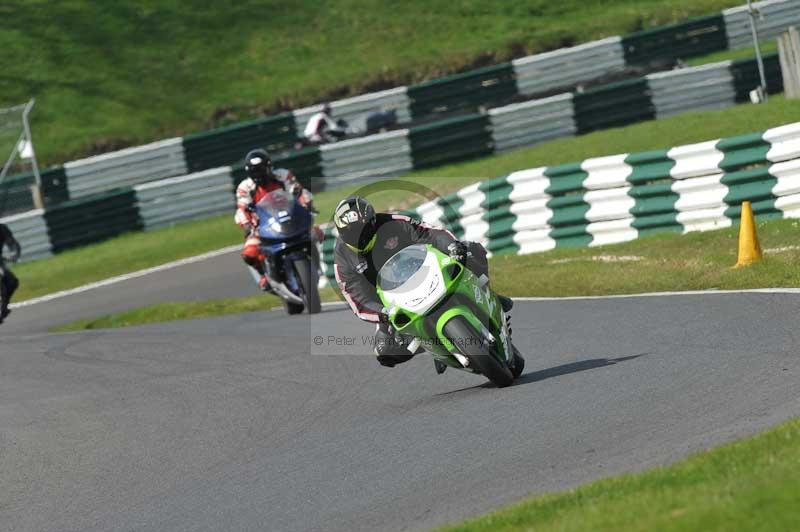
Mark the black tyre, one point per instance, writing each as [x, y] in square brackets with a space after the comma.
[473, 346]
[2, 281]
[309, 288]
[519, 363]
[293, 308]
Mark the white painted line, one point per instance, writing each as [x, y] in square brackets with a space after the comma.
[667, 294]
[126, 277]
[781, 249]
[600, 258]
[230, 249]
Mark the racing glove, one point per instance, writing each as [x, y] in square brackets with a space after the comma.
[383, 318]
[458, 251]
[252, 221]
[296, 189]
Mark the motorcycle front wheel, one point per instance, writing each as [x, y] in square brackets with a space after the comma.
[472, 345]
[293, 308]
[310, 290]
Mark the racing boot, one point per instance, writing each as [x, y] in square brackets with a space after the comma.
[390, 349]
[264, 285]
[506, 302]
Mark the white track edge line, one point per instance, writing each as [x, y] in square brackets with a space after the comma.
[230, 249]
[126, 277]
[666, 294]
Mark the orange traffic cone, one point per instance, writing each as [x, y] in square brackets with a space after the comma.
[749, 248]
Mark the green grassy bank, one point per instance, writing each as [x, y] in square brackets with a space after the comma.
[113, 74]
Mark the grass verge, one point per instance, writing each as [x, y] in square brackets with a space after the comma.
[142, 250]
[173, 311]
[662, 262]
[747, 485]
[667, 262]
[767, 47]
[110, 74]
[124, 254]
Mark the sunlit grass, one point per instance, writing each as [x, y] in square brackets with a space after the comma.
[108, 74]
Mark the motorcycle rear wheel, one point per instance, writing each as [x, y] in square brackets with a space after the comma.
[519, 363]
[473, 346]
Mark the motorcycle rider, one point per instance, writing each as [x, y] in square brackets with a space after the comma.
[262, 179]
[322, 128]
[366, 241]
[9, 282]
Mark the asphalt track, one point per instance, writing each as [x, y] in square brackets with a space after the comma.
[242, 423]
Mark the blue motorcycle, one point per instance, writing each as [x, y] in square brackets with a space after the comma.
[292, 264]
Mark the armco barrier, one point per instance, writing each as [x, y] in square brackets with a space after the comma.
[227, 145]
[566, 67]
[619, 198]
[88, 220]
[598, 201]
[451, 140]
[15, 193]
[150, 162]
[503, 128]
[663, 45]
[467, 92]
[180, 199]
[746, 77]
[692, 89]
[30, 230]
[529, 123]
[357, 160]
[774, 17]
[356, 109]
[613, 105]
[306, 164]
[54, 185]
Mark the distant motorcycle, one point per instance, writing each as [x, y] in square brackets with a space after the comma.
[343, 131]
[3, 273]
[2, 280]
[292, 265]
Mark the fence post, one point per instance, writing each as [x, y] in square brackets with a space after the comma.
[789, 54]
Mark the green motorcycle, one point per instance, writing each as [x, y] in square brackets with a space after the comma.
[440, 305]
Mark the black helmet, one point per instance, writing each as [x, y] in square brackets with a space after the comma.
[258, 165]
[355, 219]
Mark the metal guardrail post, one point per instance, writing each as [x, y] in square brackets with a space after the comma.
[27, 128]
[754, 30]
